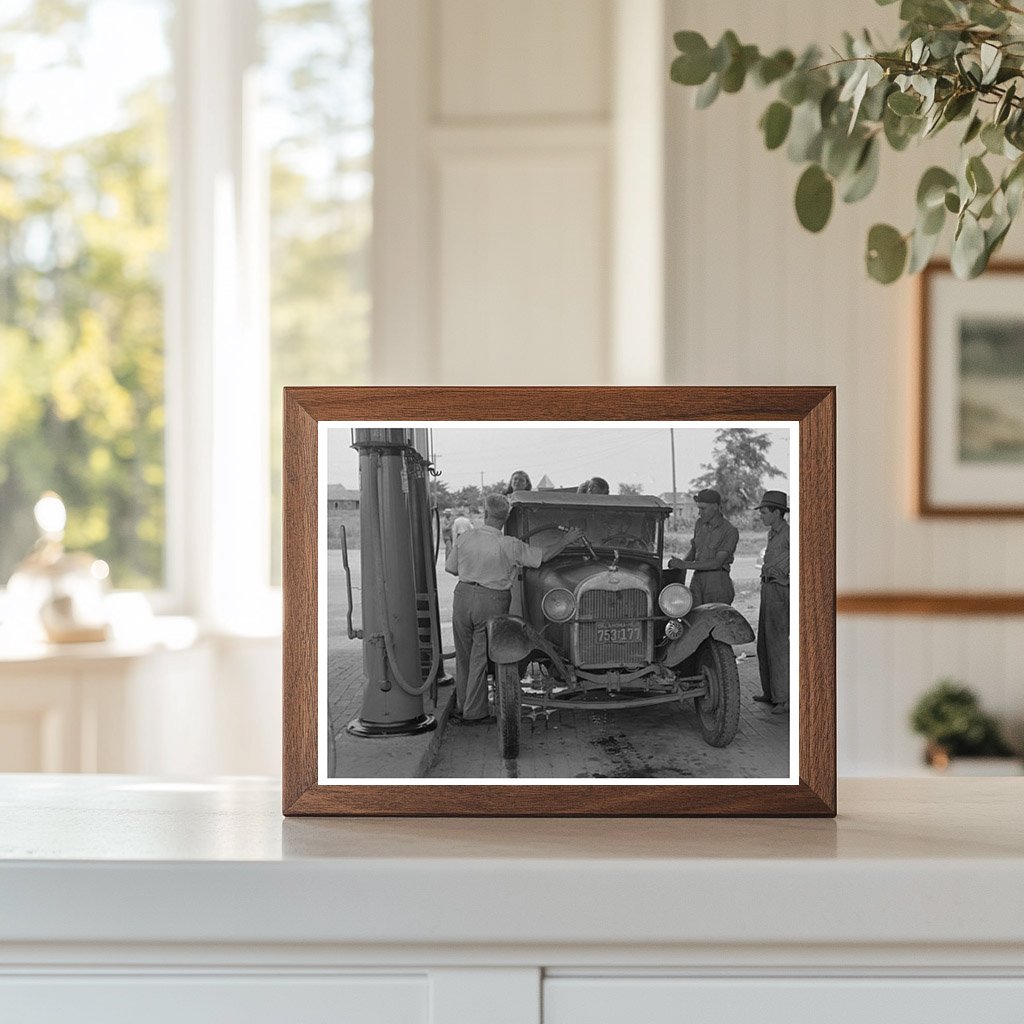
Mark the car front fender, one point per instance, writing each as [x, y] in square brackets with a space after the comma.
[509, 639]
[719, 621]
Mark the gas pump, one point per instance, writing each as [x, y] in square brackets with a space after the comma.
[401, 630]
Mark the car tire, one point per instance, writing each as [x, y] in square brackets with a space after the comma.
[508, 693]
[719, 712]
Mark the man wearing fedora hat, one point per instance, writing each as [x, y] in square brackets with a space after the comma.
[773, 618]
[711, 552]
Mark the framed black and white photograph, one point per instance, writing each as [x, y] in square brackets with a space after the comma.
[970, 453]
[561, 601]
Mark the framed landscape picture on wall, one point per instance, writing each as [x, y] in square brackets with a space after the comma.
[970, 451]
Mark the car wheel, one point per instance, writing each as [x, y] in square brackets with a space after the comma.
[508, 698]
[718, 712]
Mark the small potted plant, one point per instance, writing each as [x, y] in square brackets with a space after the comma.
[950, 717]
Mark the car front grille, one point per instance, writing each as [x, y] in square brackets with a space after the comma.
[611, 608]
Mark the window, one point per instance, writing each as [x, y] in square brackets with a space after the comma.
[185, 220]
[83, 237]
[317, 118]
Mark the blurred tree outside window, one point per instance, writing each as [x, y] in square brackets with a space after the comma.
[317, 124]
[84, 101]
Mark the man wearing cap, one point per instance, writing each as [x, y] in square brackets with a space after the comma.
[711, 552]
[773, 618]
[486, 563]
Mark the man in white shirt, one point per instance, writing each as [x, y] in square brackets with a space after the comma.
[486, 563]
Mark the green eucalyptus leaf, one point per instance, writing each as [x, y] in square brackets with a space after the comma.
[814, 194]
[828, 105]
[1014, 192]
[903, 103]
[922, 248]
[775, 123]
[854, 91]
[771, 69]
[934, 122]
[873, 106]
[958, 105]
[693, 65]
[978, 176]
[707, 93]
[973, 129]
[1013, 187]
[794, 89]
[930, 12]
[687, 72]
[925, 87]
[900, 130]
[993, 138]
[994, 236]
[733, 76]
[1004, 106]
[991, 60]
[805, 133]
[987, 15]
[943, 44]
[688, 42]
[865, 173]
[887, 253]
[817, 83]
[931, 190]
[839, 151]
[932, 220]
[952, 202]
[968, 247]
[725, 50]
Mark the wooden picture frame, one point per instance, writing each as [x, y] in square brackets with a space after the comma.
[969, 448]
[808, 412]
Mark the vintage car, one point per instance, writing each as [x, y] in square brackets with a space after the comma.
[602, 625]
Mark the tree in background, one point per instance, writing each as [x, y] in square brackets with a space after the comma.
[318, 112]
[82, 231]
[631, 488]
[441, 496]
[738, 468]
[466, 497]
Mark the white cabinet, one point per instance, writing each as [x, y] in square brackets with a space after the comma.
[132, 898]
[823, 1000]
[201, 999]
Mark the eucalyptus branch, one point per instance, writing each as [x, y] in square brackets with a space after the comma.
[833, 118]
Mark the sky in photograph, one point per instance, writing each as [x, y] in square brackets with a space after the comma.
[567, 455]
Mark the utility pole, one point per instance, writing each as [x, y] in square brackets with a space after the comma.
[675, 493]
[481, 485]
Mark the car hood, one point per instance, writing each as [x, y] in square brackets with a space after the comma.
[571, 573]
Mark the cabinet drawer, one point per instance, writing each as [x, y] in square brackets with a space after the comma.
[661, 1000]
[224, 999]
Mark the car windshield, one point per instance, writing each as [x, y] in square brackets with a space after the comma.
[620, 528]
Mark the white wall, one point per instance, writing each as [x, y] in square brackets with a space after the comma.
[513, 164]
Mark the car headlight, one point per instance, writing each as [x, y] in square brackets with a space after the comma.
[675, 600]
[558, 605]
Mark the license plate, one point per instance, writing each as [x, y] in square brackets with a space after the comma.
[613, 633]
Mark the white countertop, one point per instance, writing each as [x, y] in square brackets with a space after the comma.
[121, 859]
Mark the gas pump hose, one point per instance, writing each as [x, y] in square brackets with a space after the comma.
[413, 691]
